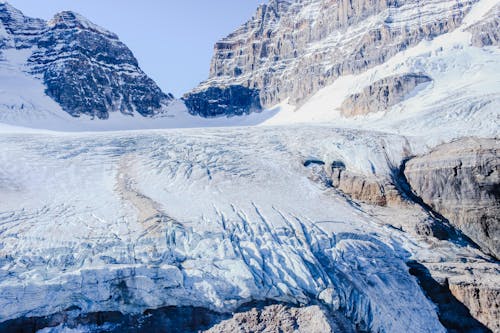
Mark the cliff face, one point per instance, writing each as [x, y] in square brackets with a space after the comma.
[85, 68]
[461, 181]
[231, 100]
[482, 301]
[291, 49]
[466, 292]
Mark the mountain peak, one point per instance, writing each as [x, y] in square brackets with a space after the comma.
[85, 68]
[69, 19]
[9, 12]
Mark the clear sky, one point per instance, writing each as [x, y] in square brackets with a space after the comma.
[172, 39]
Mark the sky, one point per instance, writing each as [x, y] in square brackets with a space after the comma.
[172, 39]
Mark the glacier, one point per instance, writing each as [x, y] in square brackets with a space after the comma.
[133, 214]
[211, 218]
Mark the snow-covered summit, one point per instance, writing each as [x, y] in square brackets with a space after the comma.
[70, 19]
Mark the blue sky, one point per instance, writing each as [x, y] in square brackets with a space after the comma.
[172, 39]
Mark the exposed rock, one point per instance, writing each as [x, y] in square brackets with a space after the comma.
[258, 318]
[168, 319]
[291, 49]
[461, 181]
[85, 68]
[232, 100]
[282, 318]
[19, 31]
[387, 192]
[467, 293]
[383, 94]
[369, 189]
[487, 32]
[483, 302]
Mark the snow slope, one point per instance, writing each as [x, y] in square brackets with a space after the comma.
[23, 103]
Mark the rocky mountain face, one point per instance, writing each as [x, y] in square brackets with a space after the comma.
[461, 180]
[86, 69]
[455, 190]
[376, 232]
[229, 101]
[291, 49]
[486, 32]
[17, 30]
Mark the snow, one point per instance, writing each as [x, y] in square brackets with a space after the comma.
[478, 12]
[463, 92]
[84, 23]
[213, 217]
[134, 213]
[23, 103]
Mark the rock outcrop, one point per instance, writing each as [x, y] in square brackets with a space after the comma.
[483, 301]
[486, 33]
[382, 94]
[232, 100]
[291, 49]
[461, 181]
[85, 68]
[466, 292]
[369, 189]
[382, 191]
[282, 318]
[17, 30]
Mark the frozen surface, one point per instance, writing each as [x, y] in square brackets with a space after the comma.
[215, 218]
[205, 217]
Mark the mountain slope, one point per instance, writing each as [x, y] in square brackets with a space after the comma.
[462, 99]
[85, 69]
[361, 219]
[291, 50]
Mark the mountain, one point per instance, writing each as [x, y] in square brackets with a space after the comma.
[84, 68]
[290, 50]
[367, 200]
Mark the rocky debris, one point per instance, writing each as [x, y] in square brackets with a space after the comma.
[291, 49]
[487, 32]
[168, 319]
[461, 181]
[382, 94]
[250, 318]
[215, 101]
[282, 318]
[85, 68]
